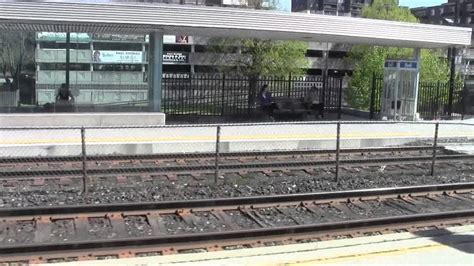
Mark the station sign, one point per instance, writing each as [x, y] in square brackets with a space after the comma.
[391, 64]
[175, 58]
[407, 65]
[402, 64]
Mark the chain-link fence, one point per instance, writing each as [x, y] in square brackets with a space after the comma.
[212, 150]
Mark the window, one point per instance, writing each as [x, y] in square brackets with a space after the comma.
[201, 48]
[206, 69]
[117, 46]
[314, 53]
[177, 68]
[176, 48]
[337, 54]
[314, 72]
[62, 45]
[117, 67]
[72, 67]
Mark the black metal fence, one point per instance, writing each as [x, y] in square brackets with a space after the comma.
[224, 94]
[433, 99]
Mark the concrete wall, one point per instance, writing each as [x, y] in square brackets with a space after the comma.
[73, 120]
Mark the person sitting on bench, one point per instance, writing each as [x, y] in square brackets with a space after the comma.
[64, 99]
[64, 95]
[312, 102]
[266, 101]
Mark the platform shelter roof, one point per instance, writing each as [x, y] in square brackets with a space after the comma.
[136, 18]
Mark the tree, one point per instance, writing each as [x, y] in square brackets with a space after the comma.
[260, 57]
[370, 59]
[16, 51]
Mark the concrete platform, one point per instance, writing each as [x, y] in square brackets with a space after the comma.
[234, 138]
[452, 246]
[467, 148]
[81, 119]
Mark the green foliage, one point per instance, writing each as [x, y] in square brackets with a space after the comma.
[369, 61]
[262, 57]
[388, 10]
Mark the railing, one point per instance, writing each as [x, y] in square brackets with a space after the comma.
[80, 148]
[221, 94]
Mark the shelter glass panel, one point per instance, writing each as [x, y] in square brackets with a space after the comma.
[107, 72]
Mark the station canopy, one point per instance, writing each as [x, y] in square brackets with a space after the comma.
[138, 18]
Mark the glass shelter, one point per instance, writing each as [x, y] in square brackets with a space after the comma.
[399, 97]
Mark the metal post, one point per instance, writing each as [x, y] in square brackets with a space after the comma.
[68, 57]
[84, 160]
[463, 95]
[325, 77]
[372, 98]
[289, 85]
[436, 107]
[218, 141]
[223, 95]
[435, 147]
[338, 140]
[451, 80]
[339, 107]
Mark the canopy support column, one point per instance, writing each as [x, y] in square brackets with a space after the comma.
[155, 70]
[68, 58]
[417, 57]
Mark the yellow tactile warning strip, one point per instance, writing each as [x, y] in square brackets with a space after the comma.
[257, 137]
[348, 257]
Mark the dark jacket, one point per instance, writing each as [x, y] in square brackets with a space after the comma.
[265, 99]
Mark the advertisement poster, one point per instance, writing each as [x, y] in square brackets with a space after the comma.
[134, 57]
[61, 37]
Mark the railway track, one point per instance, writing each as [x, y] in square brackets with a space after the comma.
[64, 233]
[205, 163]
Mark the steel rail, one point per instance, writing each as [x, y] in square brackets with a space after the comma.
[233, 235]
[237, 201]
[225, 167]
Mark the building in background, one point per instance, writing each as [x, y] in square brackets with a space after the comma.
[453, 13]
[110, 68]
